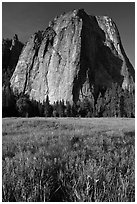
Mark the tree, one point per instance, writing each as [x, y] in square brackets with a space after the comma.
[113, 102]
[74, 112]
[133, 103]
[129, 103]
[55, 109]
[8, 102]
[47, 108]
[61, 109]
[23, 105]
[35, 108]
[68, 109]
[122, 112]
[84, 107]
[100, 106]
[40, 109]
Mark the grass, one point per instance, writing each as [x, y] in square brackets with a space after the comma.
[68, 159]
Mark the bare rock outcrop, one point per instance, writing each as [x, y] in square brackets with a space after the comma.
[77, 55]
[11, 50]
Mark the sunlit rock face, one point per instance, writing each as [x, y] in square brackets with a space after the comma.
[76, 56]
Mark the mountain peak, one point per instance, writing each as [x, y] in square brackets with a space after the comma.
[76, 56]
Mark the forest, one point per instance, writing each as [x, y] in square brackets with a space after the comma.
[114, 102]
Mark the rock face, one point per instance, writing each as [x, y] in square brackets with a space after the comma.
[76, 56]
[11, 49]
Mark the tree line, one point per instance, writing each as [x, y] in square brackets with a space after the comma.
[114, 102]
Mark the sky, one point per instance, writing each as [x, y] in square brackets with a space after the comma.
[25, 18]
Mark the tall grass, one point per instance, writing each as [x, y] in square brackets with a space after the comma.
[96, 167]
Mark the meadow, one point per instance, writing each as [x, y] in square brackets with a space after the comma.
[68, 159]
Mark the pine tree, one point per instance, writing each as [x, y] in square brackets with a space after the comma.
[47, 108]
[68, 109]
[8, 102]
[82, 110]
[129, 103]
[100, 106]
[74, 112]
[85, 107]
[23, 105]
[61, 108]
[92, 106]
[55, 109]
[119, 101]
[113, 103]
[34, 108]
[122, 112]
[40, 109]
[133, 103]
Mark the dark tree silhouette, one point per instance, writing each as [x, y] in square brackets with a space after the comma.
[23, 106]
[47, 108]
[68, 109]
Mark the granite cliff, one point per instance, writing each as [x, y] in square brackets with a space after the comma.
[11, 50]
[76, 56]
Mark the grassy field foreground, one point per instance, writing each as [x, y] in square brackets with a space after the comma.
[68, 159]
